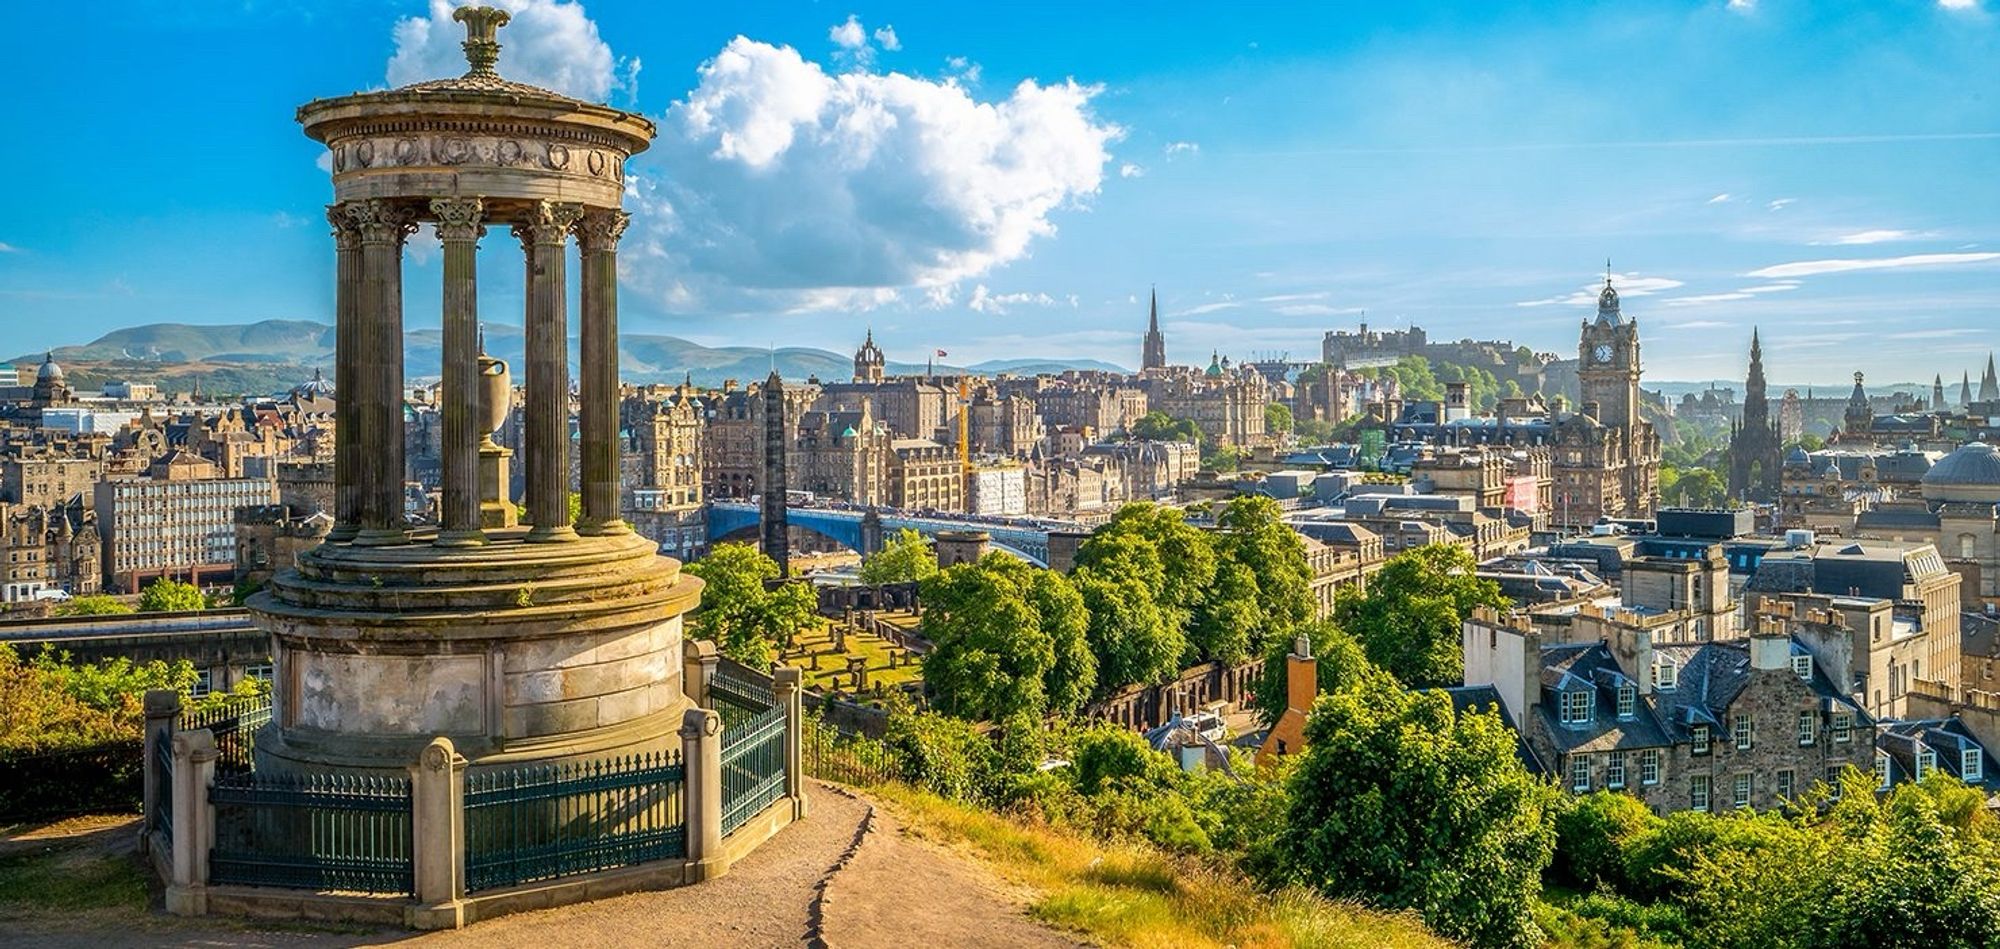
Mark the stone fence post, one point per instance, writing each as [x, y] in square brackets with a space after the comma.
[194, 822]
[163, 710]
[437, 837]
[701, 754]
[785, 685]
[699, 660]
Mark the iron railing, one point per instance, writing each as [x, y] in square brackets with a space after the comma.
[161, 820]
[753, 767]
[323, 832]
[546, 821]
[234, 725]
[740, 687]
[846, 759]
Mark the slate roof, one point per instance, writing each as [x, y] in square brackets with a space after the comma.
[1947, 737]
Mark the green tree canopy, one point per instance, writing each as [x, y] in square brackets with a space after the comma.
[1251, 531]
[1158, 426]
[742, 614]
[1277, 418]
[1134, 640]
[1340, 662]
[1400, 802]
[95, 604]
[1409, 619]
[167, 596]
[1007, 639]
[905, 557]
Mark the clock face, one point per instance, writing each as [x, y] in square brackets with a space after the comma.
[1602, 353]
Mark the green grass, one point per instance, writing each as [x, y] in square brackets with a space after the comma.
[58, 883]
[832, 672]
[1133, 895]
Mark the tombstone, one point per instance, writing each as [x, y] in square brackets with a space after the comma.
[858, 666]
[815, 661]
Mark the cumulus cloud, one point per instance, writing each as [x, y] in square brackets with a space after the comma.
[886, 38]
[1878, 236]
[848, 35]
[1129, 170]
[547, 43]
[783, 186]
[1813, 268]
[965, 69]
[1629, 285]
[1174, 149]
[983, 301]
[1959, 4]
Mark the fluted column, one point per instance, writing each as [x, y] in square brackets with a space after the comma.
[346, 394]
[384, 226]
[597, 239]
[459, 229]
[544, 238]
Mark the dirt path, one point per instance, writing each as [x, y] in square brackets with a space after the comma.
[897, 891]
[819, 882]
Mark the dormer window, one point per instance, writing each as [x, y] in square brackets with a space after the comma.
[1665, 673]
[1628, 700]
[1972, 764]
[1802, 665]
[1926, 763]
[1577, 706]
[1882, 768]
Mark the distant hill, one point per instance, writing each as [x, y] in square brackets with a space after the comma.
[273, 355]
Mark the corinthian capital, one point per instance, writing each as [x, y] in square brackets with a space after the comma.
[548, 222]
[381, 221]
[458, 218]
[601, 228]
[346, 236]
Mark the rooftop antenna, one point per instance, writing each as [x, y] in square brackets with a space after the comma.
[1607, 271]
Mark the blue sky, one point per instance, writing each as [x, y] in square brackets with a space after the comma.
[1823, 170]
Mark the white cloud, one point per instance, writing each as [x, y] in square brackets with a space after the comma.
[1959, 4]
[965, 69]
[1743, 6]
[1720, 198]
[1936, 334]
[1628, 285]
[849, 35]
[547, 43]
[1182, 148]
[785, 187]
[886, 38]
[1779, 287]
[1702, 299]
[1295, 297]
[995, 304]
[1698, 324]
[1209, 308]
[1813, 268]
[1315, 309]
[1879, 236]
[1129, 170]
[1781, 203]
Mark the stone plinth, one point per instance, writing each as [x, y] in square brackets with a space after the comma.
[514, 651]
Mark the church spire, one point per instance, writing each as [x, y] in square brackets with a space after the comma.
[1154, 354]
[1989, 384]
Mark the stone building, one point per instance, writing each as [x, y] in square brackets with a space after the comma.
[663, 494]
[1227, 402]
[924, 475]
[48, 547]
[270, 537]
[1755, 465]
[44, 474]
[1606, 458]
[1957, 509]
[733, 435]
[1704, 727]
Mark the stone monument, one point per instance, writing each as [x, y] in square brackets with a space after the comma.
[551, 641]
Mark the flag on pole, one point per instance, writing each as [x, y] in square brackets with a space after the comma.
[941, 354]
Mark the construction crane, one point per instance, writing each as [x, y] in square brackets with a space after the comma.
[965, 442]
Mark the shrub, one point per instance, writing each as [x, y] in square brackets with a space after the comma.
[1592, 833]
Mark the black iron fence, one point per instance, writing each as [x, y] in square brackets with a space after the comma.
[323, 832]
[847, 759]
[753, 766]
[234, 725]
[548, 821]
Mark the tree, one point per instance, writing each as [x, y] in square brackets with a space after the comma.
[1400, 802]
[1251, 531]
[1143, 534]
[1224, 458]
[1277, 418]
[1409, 618]
[1698, 487]
[1158, 426]
[1340, 662]
[95, 604]
[169, 596]
[906, 557]
[1134, 641]
[743, 614]
[1007, 639]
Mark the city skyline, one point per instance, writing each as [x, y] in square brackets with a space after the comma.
[1470, 178]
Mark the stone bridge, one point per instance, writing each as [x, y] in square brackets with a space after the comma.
[736, 520]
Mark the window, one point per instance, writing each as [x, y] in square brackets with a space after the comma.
[261, 672]
[1784, 784]
[1577, 705]
[1649, 766]
[1628, 698]
[1699, 740]
[1579, 772]
[1843, 727]
[1698, 792]
[1665, 673]
[1808, 727]
[1742, 796]
[1926, 763]
[1834, 776]
[1802, 665]
[1972, 764]
[1882, 768]
[202, 684]
[1614, 770]
[1739, 727]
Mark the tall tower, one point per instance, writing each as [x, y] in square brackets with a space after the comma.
[1859, 415]
[1608, 367]
[776, 542]
[1964, 388]
[1754, 457]
[1989, 385]
[1155, 355]
[868, 360]
[1937, 392]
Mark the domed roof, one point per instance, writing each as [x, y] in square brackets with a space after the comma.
[316, 387]
[1798, 456]
[49, 372]
[1607, 305]
[1974, 464]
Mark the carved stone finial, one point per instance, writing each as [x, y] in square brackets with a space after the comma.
[482, 26]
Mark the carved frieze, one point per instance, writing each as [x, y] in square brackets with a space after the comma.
[431, 150]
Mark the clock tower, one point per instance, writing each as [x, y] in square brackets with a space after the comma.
[1608, 367]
